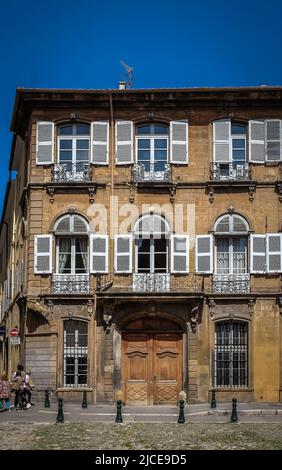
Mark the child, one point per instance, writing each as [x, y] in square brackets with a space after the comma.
[5, 391]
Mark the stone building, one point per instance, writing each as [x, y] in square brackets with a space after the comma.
[141, 244]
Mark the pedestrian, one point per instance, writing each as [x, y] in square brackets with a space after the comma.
[18, 380]
[28, 388]
[5, 392]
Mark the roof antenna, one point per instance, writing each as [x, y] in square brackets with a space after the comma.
[129, 79]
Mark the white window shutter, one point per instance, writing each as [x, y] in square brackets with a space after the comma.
[44, 143]
[43, 248]
[179, 142]
[180, 253]
[123, 253]
[222, 141]
[273, 140]
[258, 254]
[99, 253]
[204, 254]
[257, 141]
[124, 142]
[100, 143]
[274, 252]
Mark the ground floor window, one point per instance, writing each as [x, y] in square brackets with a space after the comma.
[231, 354]
[75, 353]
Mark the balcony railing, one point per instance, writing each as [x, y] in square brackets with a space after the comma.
[231, 283]
[143, 282]
[230, 171]
[70, 283]
[159, 171]
[65, 172]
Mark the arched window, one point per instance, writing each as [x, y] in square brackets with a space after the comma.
[231, 244]
[73, 145]
[152, 147]
[151, 240]
[71, 233]
[231, 354]
[75, 353]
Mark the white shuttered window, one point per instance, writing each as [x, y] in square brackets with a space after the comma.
[123, 253]
[204, 254]
[100, 143]
[44, 143]
[258, 254]
[274, 252]
[124, 142]
[179, 253]
[222, 140]
[43, 254]
[179, 142]
[98, 253]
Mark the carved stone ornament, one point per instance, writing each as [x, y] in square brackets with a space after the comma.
[212, 306]
[36, 306]
[211, 194]
[251, 305]
[51, 191]
[252, 189]
[108, 316]
[172, 192]
[194, 318]
[91, 192]
[91, 306]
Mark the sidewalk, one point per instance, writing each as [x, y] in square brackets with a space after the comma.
[247, 412]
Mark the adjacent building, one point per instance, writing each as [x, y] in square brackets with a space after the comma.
[141, 243]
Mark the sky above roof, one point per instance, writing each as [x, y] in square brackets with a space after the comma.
[184, 43]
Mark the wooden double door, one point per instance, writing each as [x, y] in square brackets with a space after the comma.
[152, 366]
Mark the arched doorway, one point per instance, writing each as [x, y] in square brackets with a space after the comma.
[151, 366]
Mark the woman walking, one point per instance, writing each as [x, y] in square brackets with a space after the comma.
[5, 392]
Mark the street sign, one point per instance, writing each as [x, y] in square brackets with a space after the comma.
[14, 332]
[2, 330]
[15, 340]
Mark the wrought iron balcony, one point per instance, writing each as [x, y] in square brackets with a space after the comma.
[65, 172]
[230, 171]
[143, 282]
[231, 283]
[158, 172]
[70, 283]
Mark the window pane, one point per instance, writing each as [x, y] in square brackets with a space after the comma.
[82, 155]
[238, 143]
[160, 143]
[238, 129]
[66, 144]
[143, 130]
[65, 130]
[82, 129]
[160, 245]
[161, 155]
[82, 144]
[65, 155]
[159, 130]
[143, 143]
[160, 262]
[75, 352]
[143, 245]
[143, 155]
[239, 155]
[143, 262]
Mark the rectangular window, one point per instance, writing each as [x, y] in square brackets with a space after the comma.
[231, 354]
[75, 353]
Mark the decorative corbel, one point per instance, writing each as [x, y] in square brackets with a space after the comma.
[279, 299]
[279, 191]
[50, 305]
[251, 304]
[252, 189]
[212, 306]
[51, 191]
[132, 190]
[194, 318]
[91, 306]
[211, 193]
[91, 192]
[172, 192]
[108, 316]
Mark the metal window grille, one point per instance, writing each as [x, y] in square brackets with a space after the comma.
[75, 353]
[231, 354]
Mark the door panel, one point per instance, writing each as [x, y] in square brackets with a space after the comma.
[136, 368]
[152, 368]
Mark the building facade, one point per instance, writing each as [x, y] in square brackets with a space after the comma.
[141, 243]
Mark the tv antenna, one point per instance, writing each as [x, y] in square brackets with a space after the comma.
[129, 74]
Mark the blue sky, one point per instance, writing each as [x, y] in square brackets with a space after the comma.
[180, 43]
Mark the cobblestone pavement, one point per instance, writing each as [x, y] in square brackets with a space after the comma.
[145, 436]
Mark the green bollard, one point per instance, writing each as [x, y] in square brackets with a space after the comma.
[60, 415]
[47, 399]
[119, 415]
[181, 418]
[84, 400]
[234, 416]
[213, 400]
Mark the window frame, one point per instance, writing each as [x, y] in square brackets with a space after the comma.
[153, 253]
[74, 138]
[231, 239]
[73, 351]
[73, 239]
[230, 349]
[152, 138]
